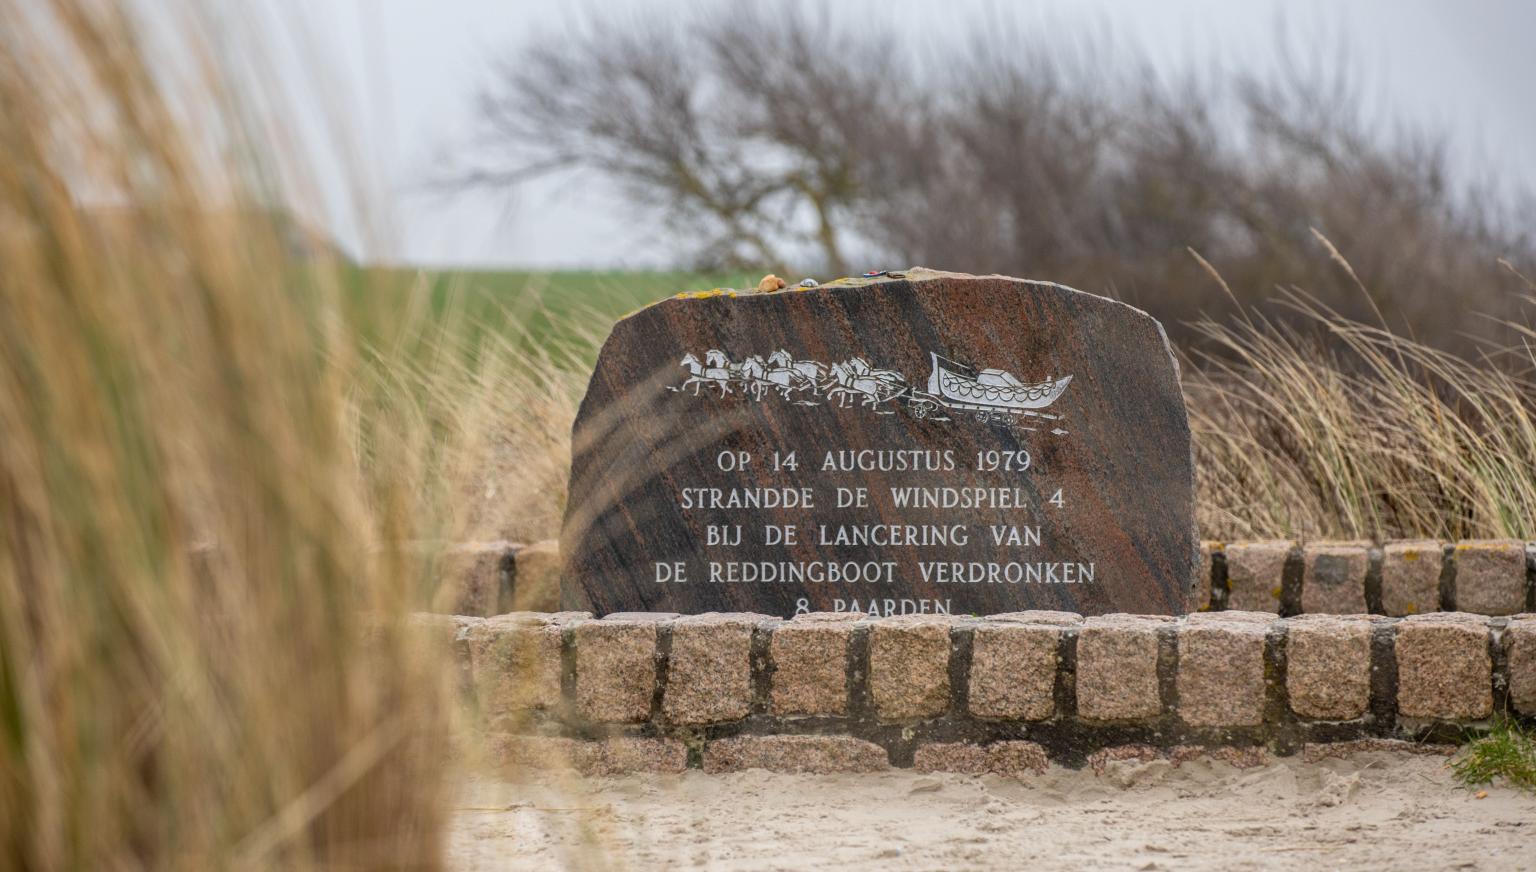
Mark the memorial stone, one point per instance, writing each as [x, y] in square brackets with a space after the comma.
[903, 443]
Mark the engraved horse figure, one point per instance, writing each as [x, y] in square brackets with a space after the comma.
[789, 376]
[753, 373]
[856, 378]
[715, 370]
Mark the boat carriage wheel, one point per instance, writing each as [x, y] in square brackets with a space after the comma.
[921, 407]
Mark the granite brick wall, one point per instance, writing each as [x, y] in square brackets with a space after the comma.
[1001, 694]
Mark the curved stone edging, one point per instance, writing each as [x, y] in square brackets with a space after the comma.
[1398, 578]
[828, 692]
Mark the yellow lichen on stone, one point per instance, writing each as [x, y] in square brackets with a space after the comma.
[704, 295]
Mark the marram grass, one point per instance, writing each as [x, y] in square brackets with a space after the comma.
[204, 662]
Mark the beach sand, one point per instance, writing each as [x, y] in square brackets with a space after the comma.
[1371, 810]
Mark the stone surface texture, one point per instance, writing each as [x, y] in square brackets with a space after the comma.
[1013, 670]
[909, 667]
[472, 578]
[529, 755]
[1333, 578]
[1328, 666]
[674, 387]
[625, 754]
[615, 669]
[1490, 576]
[1410, 577]
[810, 667]
[997, 758]
[536, 571]
[1117, 667]
[1200, 597]
[1443, 667]
[1520, 649]
[1038, 616]
[658, 694]
[515, 664]
[710, 668]
[810, 754]
[1255, 572]
[1221, 669]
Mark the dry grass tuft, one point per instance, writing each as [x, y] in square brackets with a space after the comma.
[1326, 427]
[204, 661]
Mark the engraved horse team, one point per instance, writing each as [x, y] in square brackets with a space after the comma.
[993, 395]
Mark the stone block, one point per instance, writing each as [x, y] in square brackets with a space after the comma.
[1038, 616]
[1221, 670]
[472, 578]
[909, 667]
[709, 668]
[1255, 573]
[1316, 752]
[1520, 648]
[535, 582]
[615, 669]
[807, 754]
[526, 755]
[1236, 756]
[1410, 577]
[515, 664]
[1013, 670]
[1102, 760]
[621, 755]
[1444, 671]
[1328, 666]
[1333, 578]
[1117, 667]
[1200, 599]
[1490, 576]
[810, 667]
[830, 617]
[1200, 619]
[997, 758]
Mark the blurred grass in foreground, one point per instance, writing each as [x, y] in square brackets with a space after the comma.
[206, 480]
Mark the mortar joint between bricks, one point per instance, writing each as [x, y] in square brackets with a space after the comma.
[861, 707]
[568, 707]
[962, 646]
[1291, 575]
[1168, 668]
[1064, 689]
[1498, 657]
[762, 667]
[1375, 560]
[1383, 696]
[1448, 577]
[1281, 724]
[506, 578]
[1530, 576]
[663, 664]
[1221, 585]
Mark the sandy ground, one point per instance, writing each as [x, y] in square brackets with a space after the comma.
[1370, 811]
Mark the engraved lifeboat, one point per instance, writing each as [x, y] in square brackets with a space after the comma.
[958, 385]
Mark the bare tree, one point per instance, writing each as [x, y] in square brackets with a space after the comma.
[768, 135]
[741, 130]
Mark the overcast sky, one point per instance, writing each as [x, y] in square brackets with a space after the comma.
[406, 71]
